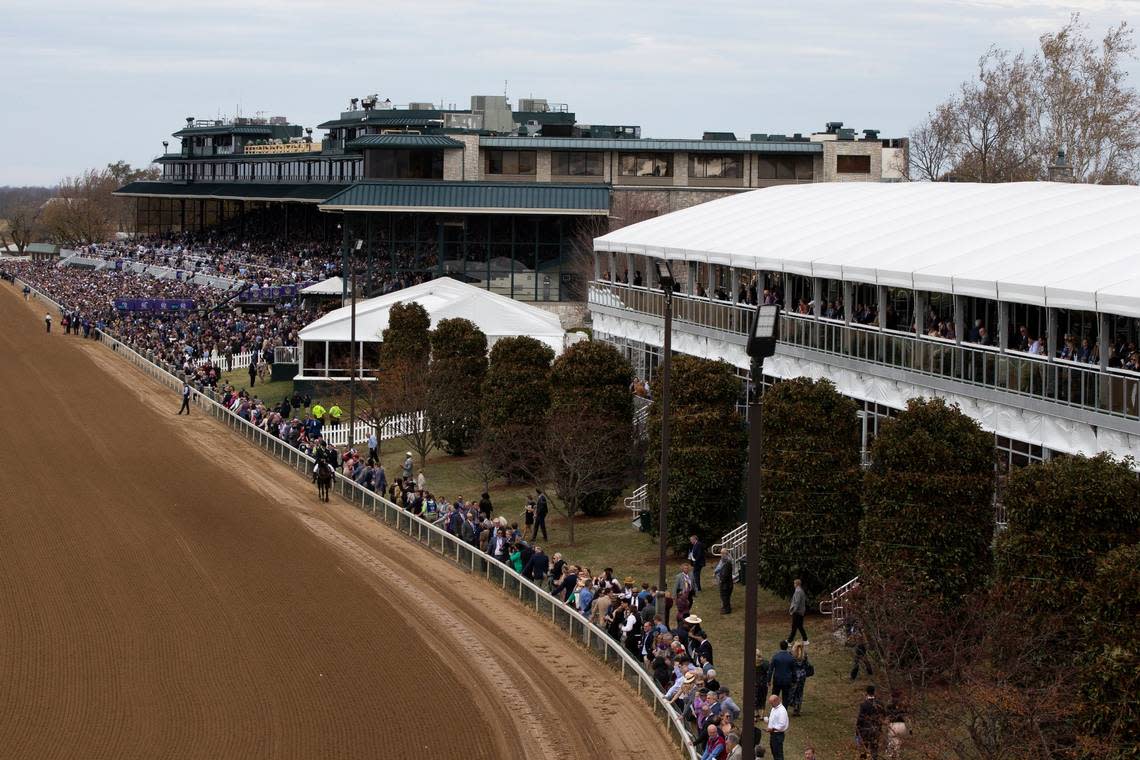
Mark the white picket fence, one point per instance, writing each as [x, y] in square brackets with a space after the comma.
[394, 427]
[240, 361]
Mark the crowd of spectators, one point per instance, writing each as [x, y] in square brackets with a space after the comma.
[215, 330]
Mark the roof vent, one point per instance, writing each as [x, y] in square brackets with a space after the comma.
[845, 134]
[720, 136]
[833, 127]
[870, 134]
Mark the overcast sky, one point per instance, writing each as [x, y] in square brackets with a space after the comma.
[84, 83]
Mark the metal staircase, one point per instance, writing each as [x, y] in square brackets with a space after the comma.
[636, 501]
[836, 605]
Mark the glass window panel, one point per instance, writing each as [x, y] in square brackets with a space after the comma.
[629, 164]
[595, 164]
[510, 162]
[785, 168]
[577, 164]
[805, 168]
[714, 166]
[767, 167]
[527, 161]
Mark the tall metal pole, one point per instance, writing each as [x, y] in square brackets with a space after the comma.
[663, 491]
[355, 359]
[749, 738]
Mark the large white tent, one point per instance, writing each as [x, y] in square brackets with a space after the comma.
[443, 298]
[1043, 243]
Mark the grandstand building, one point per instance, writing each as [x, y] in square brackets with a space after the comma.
[1020, 302]
[490, 194]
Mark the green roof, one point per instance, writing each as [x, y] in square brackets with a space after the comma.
[478, 197]
[645, 144]
[51, 248]
[237, 191]
[225, 129]
[403, 141]
[389, 117]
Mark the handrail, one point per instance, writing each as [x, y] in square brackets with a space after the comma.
[576, 625]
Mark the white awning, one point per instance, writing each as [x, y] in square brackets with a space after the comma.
[443, 298]
[333, 286]
[1049, 244]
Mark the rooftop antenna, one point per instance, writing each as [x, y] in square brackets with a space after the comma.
[504, 88]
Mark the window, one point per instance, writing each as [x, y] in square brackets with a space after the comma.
[853, 164]
[712, 166]
[646, 165]
[577, 164]
[509, 162]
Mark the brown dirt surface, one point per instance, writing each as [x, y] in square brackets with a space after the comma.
[169, 591]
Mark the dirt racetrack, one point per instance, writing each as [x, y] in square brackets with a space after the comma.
[161, 602]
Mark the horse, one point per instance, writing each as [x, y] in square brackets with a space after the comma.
[323, 476]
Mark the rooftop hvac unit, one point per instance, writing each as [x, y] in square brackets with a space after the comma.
[279, 121]
[537, 105]
[421, 106]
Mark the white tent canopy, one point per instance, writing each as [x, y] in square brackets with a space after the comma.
[443, 298]
[333, 286]
[1048, 244]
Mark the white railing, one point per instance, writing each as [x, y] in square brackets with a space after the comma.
[636, 501]
[437, 540]
[732, 543]
[641, 416]
[836, 604]
[393, 427]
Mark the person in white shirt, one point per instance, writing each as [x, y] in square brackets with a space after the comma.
[777, 726]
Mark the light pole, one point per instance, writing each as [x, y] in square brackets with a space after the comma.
[761, 345]
[352, 348]
[665, 277]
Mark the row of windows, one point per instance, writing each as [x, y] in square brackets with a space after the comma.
[300, 171]
[394, 164]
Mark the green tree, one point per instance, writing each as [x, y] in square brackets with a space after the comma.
[593, 378]
[812, 482]
[706, 454]
[1063, 516]
[403, 374]
[455, 379]
[515, 401]
[1110, 668]
[928, 502]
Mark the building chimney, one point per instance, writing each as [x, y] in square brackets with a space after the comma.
[1060, 170]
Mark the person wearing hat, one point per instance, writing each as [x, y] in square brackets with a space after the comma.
[47, 322]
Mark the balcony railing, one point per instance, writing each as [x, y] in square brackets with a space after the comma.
[1114, 392]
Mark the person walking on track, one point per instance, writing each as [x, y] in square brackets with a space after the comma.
[185, 399]
[47, 321]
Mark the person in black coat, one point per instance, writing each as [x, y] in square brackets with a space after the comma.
[697, 559]
[541, 508]
[537, 566]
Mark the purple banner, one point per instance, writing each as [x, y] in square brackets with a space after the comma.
[270, 293]
[154, 304]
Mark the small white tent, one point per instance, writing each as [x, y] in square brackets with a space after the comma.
[325, 343]
[333, 286]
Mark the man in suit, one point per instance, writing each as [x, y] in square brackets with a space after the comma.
[538, 565]
[782, 668]
[185, 399]
[697, 558]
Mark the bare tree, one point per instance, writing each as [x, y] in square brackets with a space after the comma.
[23, 223]
[931, 150]
[626, 208]
[1008, 122]
[576, 461]
[403, 392]
[1084, 105]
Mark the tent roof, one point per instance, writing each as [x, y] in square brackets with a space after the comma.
[443, 298]
[333, 286]
[1049, 244]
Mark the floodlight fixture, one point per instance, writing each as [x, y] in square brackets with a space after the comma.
[358, 246]
[765, 328]
[664, 274]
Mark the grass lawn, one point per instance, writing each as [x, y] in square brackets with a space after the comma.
[270, 393]
[830, 699]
